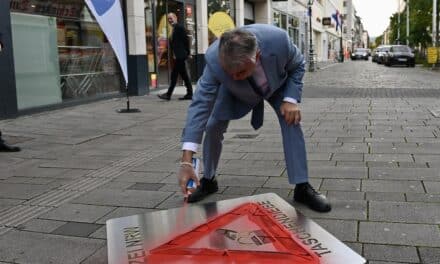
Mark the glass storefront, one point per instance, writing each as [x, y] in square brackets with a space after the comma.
[160, 60]
[60, 53]
[289, 23]
[224, 6]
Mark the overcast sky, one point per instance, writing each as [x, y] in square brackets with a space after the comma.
[375, 14]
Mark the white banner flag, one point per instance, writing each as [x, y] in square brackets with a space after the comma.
[108, 13]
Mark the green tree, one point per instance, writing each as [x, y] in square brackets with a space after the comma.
[420, 23]
[378, 41]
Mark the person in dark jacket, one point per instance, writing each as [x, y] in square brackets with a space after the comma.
[179, 45]
[5, 147]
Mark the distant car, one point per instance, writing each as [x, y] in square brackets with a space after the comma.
[360, 53]
[381, 51]
[399, 55]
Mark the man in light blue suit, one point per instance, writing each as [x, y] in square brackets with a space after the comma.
[243, 68]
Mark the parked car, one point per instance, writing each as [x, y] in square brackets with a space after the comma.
[360, 53]
[381, 51]
[399, 55]
[374, 55]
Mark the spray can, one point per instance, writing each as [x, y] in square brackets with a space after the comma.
[191, 184]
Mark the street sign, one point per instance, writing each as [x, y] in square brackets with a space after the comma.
[432, 55]
[261, 228]
[327, 21]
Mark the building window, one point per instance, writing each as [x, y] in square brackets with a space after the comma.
[345, 3]
[70, 54]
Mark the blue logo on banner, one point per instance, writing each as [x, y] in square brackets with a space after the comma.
[102, 6]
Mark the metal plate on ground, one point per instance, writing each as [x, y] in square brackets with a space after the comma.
[230, 231]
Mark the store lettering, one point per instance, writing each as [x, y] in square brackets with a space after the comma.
[134, 245]
[48, 8]
[306, 238]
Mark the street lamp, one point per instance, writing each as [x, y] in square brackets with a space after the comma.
[311, 61]
[341, 50]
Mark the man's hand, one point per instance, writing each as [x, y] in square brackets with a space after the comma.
[291, 113]
[186, 172]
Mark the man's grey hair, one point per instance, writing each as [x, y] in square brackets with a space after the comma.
[237, 47]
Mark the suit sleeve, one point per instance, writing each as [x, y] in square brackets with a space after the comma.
[295, 69]
[201, 107]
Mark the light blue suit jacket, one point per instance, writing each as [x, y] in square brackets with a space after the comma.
[217, 94]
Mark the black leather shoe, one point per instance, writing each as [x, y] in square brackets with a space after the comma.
[205, 188]
[186, 97]
[6, 148]
[164, 96]
[304, 193]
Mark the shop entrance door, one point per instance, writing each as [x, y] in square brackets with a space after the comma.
[163, 35]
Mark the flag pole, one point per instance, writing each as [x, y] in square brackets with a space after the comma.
[127, 109]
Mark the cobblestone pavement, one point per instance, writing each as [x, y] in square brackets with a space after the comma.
[375, 152]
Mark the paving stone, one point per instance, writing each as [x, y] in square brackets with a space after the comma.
[404, 212]
[283, 193]
[432, 187]
[360, 164]
[31, 247]
[389, 157]
[146, 186]
[341, 185]
[78, 163]
[122, 212]
[413, 165]
[78, 213]
[244, 181]
[386, 196]
[399, 234]
[391, 253]
[338, 172]
[342, 210]
[101, 233]
[423, 197]
[99, 257]
[388, 164]
[245, 191]
[346, 196]
[127, 198]
[264, 156]
[344, 230]
[404, 174]
[41, 225]
[435, 159]
[318, 156]
[21, 191]
[144, 177]
[252, 171]
[392, 186]
[429, 255]
[76, 229]
[348, 157]
[116, 185]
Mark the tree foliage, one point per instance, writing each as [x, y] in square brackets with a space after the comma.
[420, 18]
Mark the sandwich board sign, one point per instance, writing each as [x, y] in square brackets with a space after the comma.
[255, 229]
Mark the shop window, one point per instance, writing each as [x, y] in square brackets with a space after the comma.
[87, 65]
[225, 6]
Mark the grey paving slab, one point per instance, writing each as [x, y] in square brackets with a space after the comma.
[392, 186]
[252, 170]
[21, 191]
[146, 186]
[284, 193]
[31, 247]
[147, 177]
[346, 196]
[429, 255]
[387, 196]
[423, 197]
[341, 185]
[76, 229]
[391, 253]
[101, 233]
[122, 212]
[78, 163]
[245, 191]
[404, 212]
[127, 198]
[404, 174]
[116, 185]
[432, 187]
[399, 234]
[41, 225]
[344, 230]
[342, 210]
[99, 257]
[243, 181]
[389, 157]
[78, 213]
[338, 172]
[348, 157]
